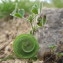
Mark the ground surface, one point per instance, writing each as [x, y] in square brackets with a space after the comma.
[8, 31]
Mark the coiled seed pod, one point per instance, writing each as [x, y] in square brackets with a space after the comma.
[25, 46]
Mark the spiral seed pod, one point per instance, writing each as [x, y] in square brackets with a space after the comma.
[25, 46]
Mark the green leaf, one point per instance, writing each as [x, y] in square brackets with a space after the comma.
[35, 9]
[35, 28]
[52, 46]
[41, 21]
[59, 54]
[30, 18]
[17, 15]
[21, 12]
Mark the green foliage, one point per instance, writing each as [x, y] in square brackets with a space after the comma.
[20, 13]
[31, 17]
[59, 54]
[41, 21]
[35, 9]
[25, 46]
[48, 5]
[17, 15]
[26, 5]
[57, 3]
[6, 7]
[52, 47]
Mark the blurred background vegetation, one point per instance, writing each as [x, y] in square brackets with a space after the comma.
[57, 3]
[7, 6]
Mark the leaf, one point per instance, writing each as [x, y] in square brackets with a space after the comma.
[13, 13]
[35, 9]
[41, 21]
[35, 28]
[30, 18]
[17, 15]
[52, 46]
[59, 54]
[21, 12]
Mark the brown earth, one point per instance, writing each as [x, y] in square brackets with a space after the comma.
[8, 31]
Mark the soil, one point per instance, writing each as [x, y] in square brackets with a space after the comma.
[49, 57]
[8, 32]
[60, 60]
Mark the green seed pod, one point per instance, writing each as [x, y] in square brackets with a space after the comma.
[25, 46]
